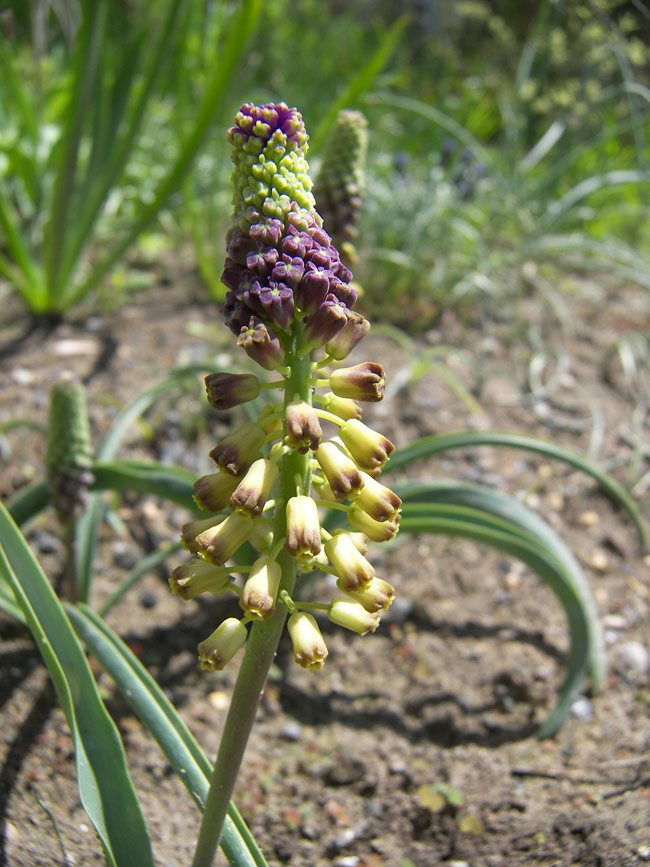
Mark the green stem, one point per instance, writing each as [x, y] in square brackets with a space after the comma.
[262, 641]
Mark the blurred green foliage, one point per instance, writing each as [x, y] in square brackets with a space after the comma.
[508, 142]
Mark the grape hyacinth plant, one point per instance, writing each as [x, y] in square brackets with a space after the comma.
[290, 305]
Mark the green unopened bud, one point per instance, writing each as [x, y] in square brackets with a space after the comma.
[378, 531]
[343, 475]
[303, 528]
[369, 449]
[254, 489]
[197, 576]
[309, 649]
[219, 648]
[376, 500]
[344, 407]
[364, 381]
[352, 615]
[213, 491]
[69, 451]
[236, 452]
[303, 428]
[376, 596]
[355, 572]
[261, 588]
[226, 390]
[219, 543]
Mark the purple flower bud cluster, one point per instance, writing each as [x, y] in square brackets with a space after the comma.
[262, 121]
[272, 271]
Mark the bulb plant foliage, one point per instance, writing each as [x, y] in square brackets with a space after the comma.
[290, 304]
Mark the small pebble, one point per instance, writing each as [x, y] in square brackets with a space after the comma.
[399, 611]
[633, 656]
[589, 518]
[344, 838]
[348, 861]
[148, 599]
[644, 853]
[291, 731]
[582, 709]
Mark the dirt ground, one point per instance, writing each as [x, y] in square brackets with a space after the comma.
[450, 689]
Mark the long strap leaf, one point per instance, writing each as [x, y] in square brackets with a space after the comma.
[462, 521]
[431, 445]
[161, 718]
[172, 483]
[105, 787]
[500, 506]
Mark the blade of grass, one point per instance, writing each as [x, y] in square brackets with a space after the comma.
[218, 78]
[361, 82]
[87, 72]
[98, 183]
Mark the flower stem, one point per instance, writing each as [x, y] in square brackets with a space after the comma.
[262, 641]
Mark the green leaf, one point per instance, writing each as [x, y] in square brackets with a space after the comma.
[161, 718]
[146, 565]
[432, 445]
[171, 483]
[120, 427]
[487, 516]
[105, 787]
[361, 82]
[28, 502]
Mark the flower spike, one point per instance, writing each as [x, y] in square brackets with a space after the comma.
[290, 304]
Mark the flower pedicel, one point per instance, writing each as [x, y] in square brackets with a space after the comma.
[290, 305]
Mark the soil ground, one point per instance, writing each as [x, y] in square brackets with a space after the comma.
[464, 668]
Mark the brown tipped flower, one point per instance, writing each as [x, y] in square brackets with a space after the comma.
[197, 576]
[309, 649]
[352, 615]
[364, 381]
[219, 648]
[343, 475]
[344, 407]
[254, 489]
[354, 571]
[303, 428]
[354, 330]
[213, 491]
[378, 531]
[360, 540]
[261, 589]
[236, 452]
[303, 528]
[376, 596]
[376, 500]
[192, 529]
[219, 543]
[260, 343]
[369, 449]
[226, 390]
